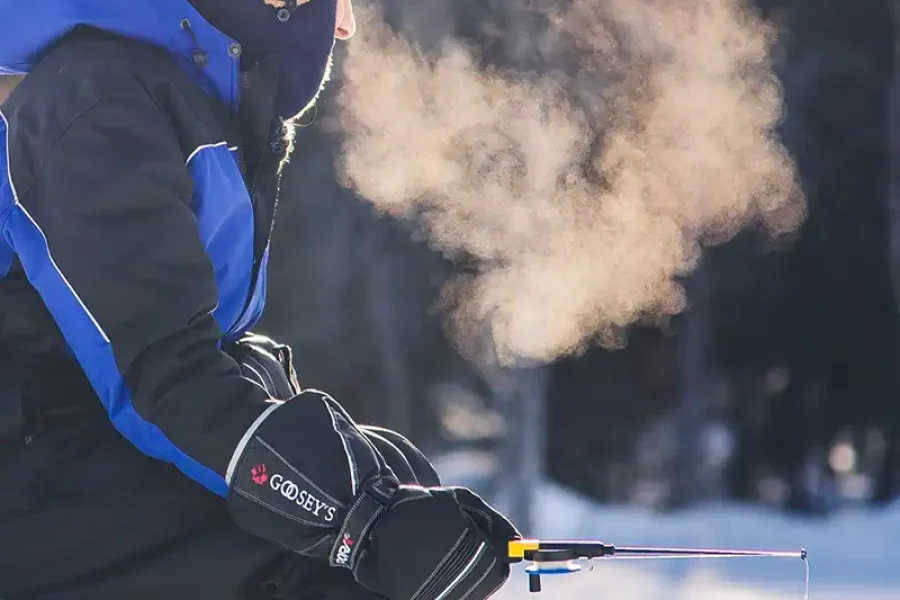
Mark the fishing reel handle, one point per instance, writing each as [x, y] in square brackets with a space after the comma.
[554, 558]
[536, 550]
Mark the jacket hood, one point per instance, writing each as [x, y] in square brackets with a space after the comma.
[303, 43]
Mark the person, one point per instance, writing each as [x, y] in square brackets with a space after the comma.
[151, 445]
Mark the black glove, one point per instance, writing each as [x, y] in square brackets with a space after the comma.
[267, 363]
[428, 547]
[307, 478]
[409, 465]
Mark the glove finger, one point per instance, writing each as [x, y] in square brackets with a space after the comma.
[424, 471]
[490, 580]
[497, 527]
[392, 455]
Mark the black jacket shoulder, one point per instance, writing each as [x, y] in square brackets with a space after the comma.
[90, 66]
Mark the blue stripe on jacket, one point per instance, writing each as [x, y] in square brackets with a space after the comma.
[225, 217]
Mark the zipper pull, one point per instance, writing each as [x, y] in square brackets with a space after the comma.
[201, 58]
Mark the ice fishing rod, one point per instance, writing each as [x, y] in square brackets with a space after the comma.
[560, 557]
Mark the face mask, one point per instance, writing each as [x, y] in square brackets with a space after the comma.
[299, 32]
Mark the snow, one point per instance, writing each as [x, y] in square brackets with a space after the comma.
[854, 555]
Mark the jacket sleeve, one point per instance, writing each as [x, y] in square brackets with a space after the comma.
[106, 235]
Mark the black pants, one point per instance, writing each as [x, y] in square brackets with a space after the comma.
[85, 516]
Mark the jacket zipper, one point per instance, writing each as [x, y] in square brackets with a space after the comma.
[256, 265]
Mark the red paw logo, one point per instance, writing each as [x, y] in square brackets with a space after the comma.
[259, 474]
[343, 553]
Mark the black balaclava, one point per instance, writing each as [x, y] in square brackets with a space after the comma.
[300, 33]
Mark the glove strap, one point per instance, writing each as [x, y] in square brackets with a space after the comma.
[376, 497]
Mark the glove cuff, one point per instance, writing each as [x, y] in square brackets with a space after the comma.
[297, 472]
[238, 453]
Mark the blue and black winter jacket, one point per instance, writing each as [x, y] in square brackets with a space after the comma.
[138, 179]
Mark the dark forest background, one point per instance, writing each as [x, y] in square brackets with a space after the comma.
[780, 385]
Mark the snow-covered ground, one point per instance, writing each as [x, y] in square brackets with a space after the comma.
[853, 555]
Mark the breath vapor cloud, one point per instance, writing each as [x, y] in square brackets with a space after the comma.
[584, 186]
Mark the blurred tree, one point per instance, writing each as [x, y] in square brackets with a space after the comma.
[822, 310]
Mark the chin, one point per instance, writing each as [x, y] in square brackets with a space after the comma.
[301, 119]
